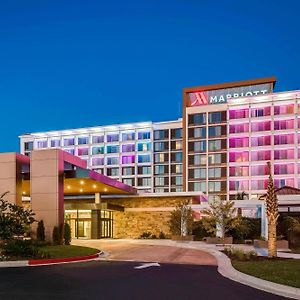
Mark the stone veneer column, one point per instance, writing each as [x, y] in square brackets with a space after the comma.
[47, 187]
[11, 177]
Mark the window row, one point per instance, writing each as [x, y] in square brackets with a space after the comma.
[243, 185]
[212, 118]
[127, 159]
[176, 133]
[261, 170]
[212, 159]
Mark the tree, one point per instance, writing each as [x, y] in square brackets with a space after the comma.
[241, 195]
[220, 215]
[181, 221]
[14, 219]
[67, 234]
[272, 216]
[56, 236]
[40, 232]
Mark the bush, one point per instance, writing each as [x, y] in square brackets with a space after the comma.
[145, 235]
[239, 254]
[199, 231]
[153, 236]
[162, 236]
[40, 232]
[56, 236]
[67, 234]
[23, 249]
[249, 228]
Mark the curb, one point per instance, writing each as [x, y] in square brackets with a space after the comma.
[54, 261]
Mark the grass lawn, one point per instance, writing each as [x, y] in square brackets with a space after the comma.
[283, 271]
[68, 251]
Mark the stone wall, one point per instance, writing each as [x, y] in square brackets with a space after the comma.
[149, 214]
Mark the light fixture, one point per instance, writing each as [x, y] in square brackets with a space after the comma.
[81, 190]
[68, 187]
[24, 193]
[94, 186]
[105, 190]
[81, 182]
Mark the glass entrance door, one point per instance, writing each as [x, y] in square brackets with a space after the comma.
[84, 229]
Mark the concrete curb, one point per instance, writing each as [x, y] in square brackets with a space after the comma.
[46, 262]
[226, 269]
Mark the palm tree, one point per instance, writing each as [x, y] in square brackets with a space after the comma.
[272, 216]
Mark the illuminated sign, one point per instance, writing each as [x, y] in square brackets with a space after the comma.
[222, 95]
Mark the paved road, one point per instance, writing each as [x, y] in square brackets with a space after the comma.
[119, 280]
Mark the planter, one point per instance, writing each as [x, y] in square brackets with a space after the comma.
[218, 240]
[281, 244]
[182, 238]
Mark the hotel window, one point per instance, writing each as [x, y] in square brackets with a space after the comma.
[238, 156]
[71, 151]
[42, 144]
[28, 146]
[144, 146]
[128, 136]
[214, 159]
[144, 135]
[197, 173]
[161, 181]
[176, 157]
[239, 185]
[83, 151]
[128, 148]
[261, 141]
[198, 159]
[284, 139]
[130, 159]
[83, 140]
[161, 169]
[177, 189]
[259, 170]
[161, 134]
[176, 168]
[239, 114]
[214, 186]
[284, 124]
[214, 131]
[283, 182]
[259, 184]
[144, 181]
[112, 160]
[144, 158]
[216, 117]
[197, 186]
[97, 139]
[261, 126]
[284, 109]
[239, 142]
[144, 170]
[284, 154]
[114, 137]
[55, 143]
[197, 119]
[261, 112]
[239, 128]
[214, 172]
[69, 141]
[128, 181]
[176, 133]
[97, 150]
[239, 171]
[197, 146]
[161, 157]
[112, 149]
[178, 180]
[161, 146]
[97, 161]
[214, 145]
[128, 171]
[176, 145]
[112, 171]
[260, 155]
[198, 132]
[283, 169]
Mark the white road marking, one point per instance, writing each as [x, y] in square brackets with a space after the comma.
[143, 266]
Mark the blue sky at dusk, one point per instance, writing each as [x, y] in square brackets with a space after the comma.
[69, 64]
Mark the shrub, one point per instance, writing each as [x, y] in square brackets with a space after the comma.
[61, 230]
[248, 228]
[153, 236]
[56, 236]
[199, 231]
[239, 254]
[145, 235]
[162, 236]
[40, 232]
[67, 234]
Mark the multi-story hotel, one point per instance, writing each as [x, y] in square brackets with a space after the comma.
[220, 146]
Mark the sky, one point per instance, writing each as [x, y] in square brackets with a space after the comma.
[71, 64]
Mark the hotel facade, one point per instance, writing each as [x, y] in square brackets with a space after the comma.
[217, 150]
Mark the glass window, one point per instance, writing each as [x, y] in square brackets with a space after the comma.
[161, 169]
[55, 143]
[161, 181]
[176, 168]
[83, 140]
[113, 137]
[97, 161]
[239, 114]
[214, 159]
[144, 146]
[261, 112]
[177, 157]
[260, 155]
[161, 146]
[199, 159]
[145, 181]
[214, 186]
[69, 141]
[71, 151]
[197, 186]
[161, 157]
[259, 170]
[112, 160]
[283, 169]
[284, 182]
[214, 172]
[284, 124]
[214, 145]
[214, 131]
[284, 109]
[284, 154]
[144, 170]
[176, 133]
[144, 158]
[28, 146]
[197, 119]
[96, 139]
[128, 181]
[216, 117]
[197, 146]
[198, 173]
[199, 132]
[176, 145]
[239, 142]
[284, 139]
[98, 150]
[145, 135]
[239, 185]
[128, 136]
[113, 171]
[128, 171]
[261, 141]
[161, 134]
[178, 180]
[261, 126]
[128, 159]
[239, 156]
[128, 148]
[83, 151]
[238, 128]
[259, 184]
[42, 144]
[112, 149]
